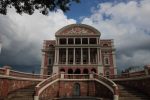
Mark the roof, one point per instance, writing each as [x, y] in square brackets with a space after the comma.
[50, 42]
[78, 30]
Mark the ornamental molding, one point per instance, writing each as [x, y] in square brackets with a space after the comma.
[77, 30]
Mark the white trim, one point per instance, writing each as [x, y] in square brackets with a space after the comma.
[110, 88]
[132, 78]
[20, 78]
[27, 73]
[116, 97]
[36, 97]
[47, 86]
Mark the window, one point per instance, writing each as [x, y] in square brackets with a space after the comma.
[70, 41]
[84, 40]
[93, 55]
[77, 41]
[85, 55]
[105, 45]
[62, 70]
[93, 70]
[70, 71]
[70, 55]
[85, 71]
[77, 71]
[107, 74]
[62, 55]
[62, 41]
[50, 61]
[78, 55]
[93, 41]
[106, 61]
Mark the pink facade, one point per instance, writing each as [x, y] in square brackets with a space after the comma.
[78, 49]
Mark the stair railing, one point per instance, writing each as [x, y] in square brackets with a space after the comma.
[111, 85]
[41, 86]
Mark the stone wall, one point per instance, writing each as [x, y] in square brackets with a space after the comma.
[65, 88]
[138, 83]
[8, 85]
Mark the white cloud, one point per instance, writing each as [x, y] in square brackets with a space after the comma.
[22, 35]
[128, 24]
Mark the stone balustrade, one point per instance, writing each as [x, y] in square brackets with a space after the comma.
[6, 70]
[61, 85]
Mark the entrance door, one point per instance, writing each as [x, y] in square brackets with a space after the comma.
[76, 89]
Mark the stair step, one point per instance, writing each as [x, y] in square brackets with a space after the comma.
[22, 94]
[133, 98]
[126, 93]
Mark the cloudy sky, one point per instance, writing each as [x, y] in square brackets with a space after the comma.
[125, 21]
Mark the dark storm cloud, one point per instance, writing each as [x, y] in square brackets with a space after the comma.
[16, 50]
[22, 37]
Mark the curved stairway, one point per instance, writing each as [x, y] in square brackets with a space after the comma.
[80, 98]
[126, 93]
[22, 94]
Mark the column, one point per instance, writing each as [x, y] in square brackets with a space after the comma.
[97, 40]
[81, 40]
[66, 40]
[81, 56]
[73, 40]
[100, 56]
[74, 55]
[66, 56]
[89, 56]
[55, 62]
[57, 41]
[58, 56]
[98, 62]
[42, 65]
[88, 40]
[114, 62]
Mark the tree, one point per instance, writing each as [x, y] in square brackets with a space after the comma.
[29, 6]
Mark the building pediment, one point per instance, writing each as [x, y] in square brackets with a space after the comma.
[77, 30]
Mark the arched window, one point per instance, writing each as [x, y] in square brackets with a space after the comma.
[70, 71]
[51, 45]
[106, 61]
[85, 71]
[76, 89]
[77, 71]
[105, 45]
[107, 73]
[93, 70]
[50, 61]
[62, 70]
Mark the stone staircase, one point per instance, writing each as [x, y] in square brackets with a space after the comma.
[80, 98]
[22, 94]
[126, 93]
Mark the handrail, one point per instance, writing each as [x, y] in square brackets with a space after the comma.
[9, 72]
[106, 79]
[2, 71]
[44, 82]
[26, 75]
[110, 83]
